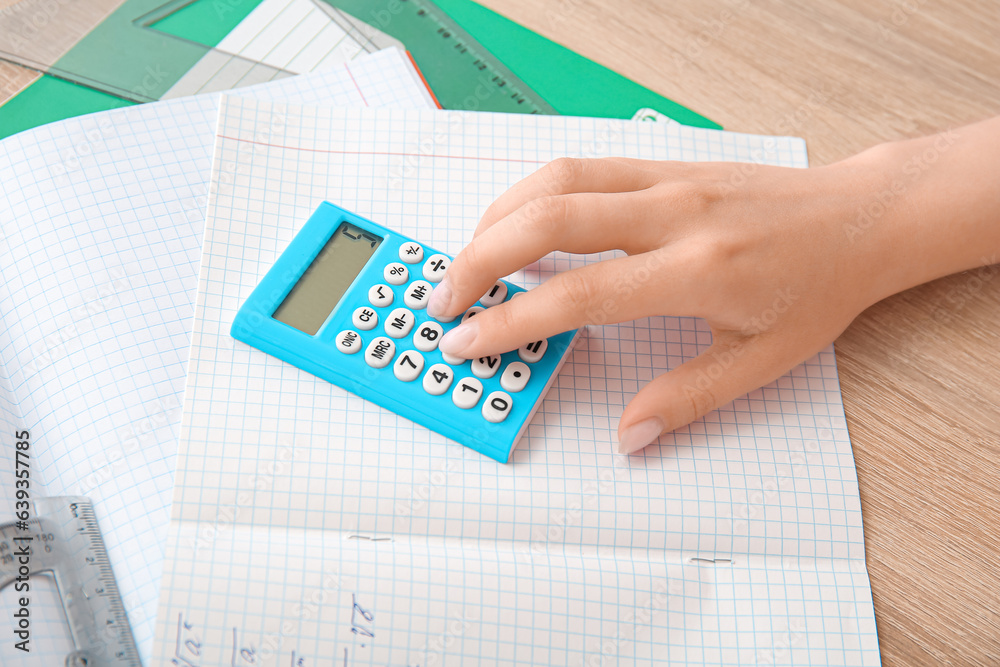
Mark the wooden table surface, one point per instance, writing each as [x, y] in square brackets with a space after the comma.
[920, 372]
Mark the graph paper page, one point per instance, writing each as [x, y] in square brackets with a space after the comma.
[102, 218]
[309, 524]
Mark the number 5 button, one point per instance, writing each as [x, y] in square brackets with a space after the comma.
[497, 407]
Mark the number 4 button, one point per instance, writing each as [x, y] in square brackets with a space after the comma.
[438, 379]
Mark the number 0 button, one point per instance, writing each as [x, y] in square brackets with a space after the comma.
[438, 379]
[497, 407]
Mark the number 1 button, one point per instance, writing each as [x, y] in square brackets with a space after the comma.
[467, 393]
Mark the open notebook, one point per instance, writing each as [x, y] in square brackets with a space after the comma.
[311, 527]
[101, 219]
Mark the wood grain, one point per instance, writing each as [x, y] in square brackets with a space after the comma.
[920, 372]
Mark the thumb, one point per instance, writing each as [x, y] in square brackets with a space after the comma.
[734, 365]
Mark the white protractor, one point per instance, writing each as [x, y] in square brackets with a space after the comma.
[63, 539]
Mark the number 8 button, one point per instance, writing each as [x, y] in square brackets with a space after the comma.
[427, 336]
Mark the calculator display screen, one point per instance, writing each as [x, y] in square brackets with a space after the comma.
[320, 288]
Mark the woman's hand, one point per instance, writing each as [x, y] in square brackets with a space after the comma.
[778, 262]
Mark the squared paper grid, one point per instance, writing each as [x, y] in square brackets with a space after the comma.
[569, 554]
[102, 218]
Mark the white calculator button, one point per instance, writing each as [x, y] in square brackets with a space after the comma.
[515, 376]
[365, 318]
[399, 323]
[417, 293]
[411, 252]
[485, 367]
[497, 406]
[467, 393]
[380, 352]
[496, 295]
[438, 379]
[475, 310]
[435, 266]
[532, 352]
[452, 359]
[408, 366]
[396, 273]
[427, 336]
[349, 341]
[380, 296]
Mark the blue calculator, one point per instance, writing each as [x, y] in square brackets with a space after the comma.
[346, 302]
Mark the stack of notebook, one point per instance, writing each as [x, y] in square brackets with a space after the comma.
[256, 515]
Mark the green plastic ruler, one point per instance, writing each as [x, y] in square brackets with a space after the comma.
[471, 57]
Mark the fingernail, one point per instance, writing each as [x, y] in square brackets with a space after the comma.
[637, 435]
[440, 299]
[459, 338]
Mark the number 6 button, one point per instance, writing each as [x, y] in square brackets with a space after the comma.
[497, 407]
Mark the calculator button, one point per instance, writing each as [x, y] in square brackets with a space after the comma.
[380, 352]
[515, 376]
[399, 323]
[396, 273]
[497, 407]
[365, 318]
[380, 296]
[452, 359]
[438, 379]
[428, 336]
[485, 367]
[417, 294]
[349, 341]
[411, 252]
[475, 310]
[532, 352]
[467, 393]
[435, 266]
[408, 366]
[495, 296]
